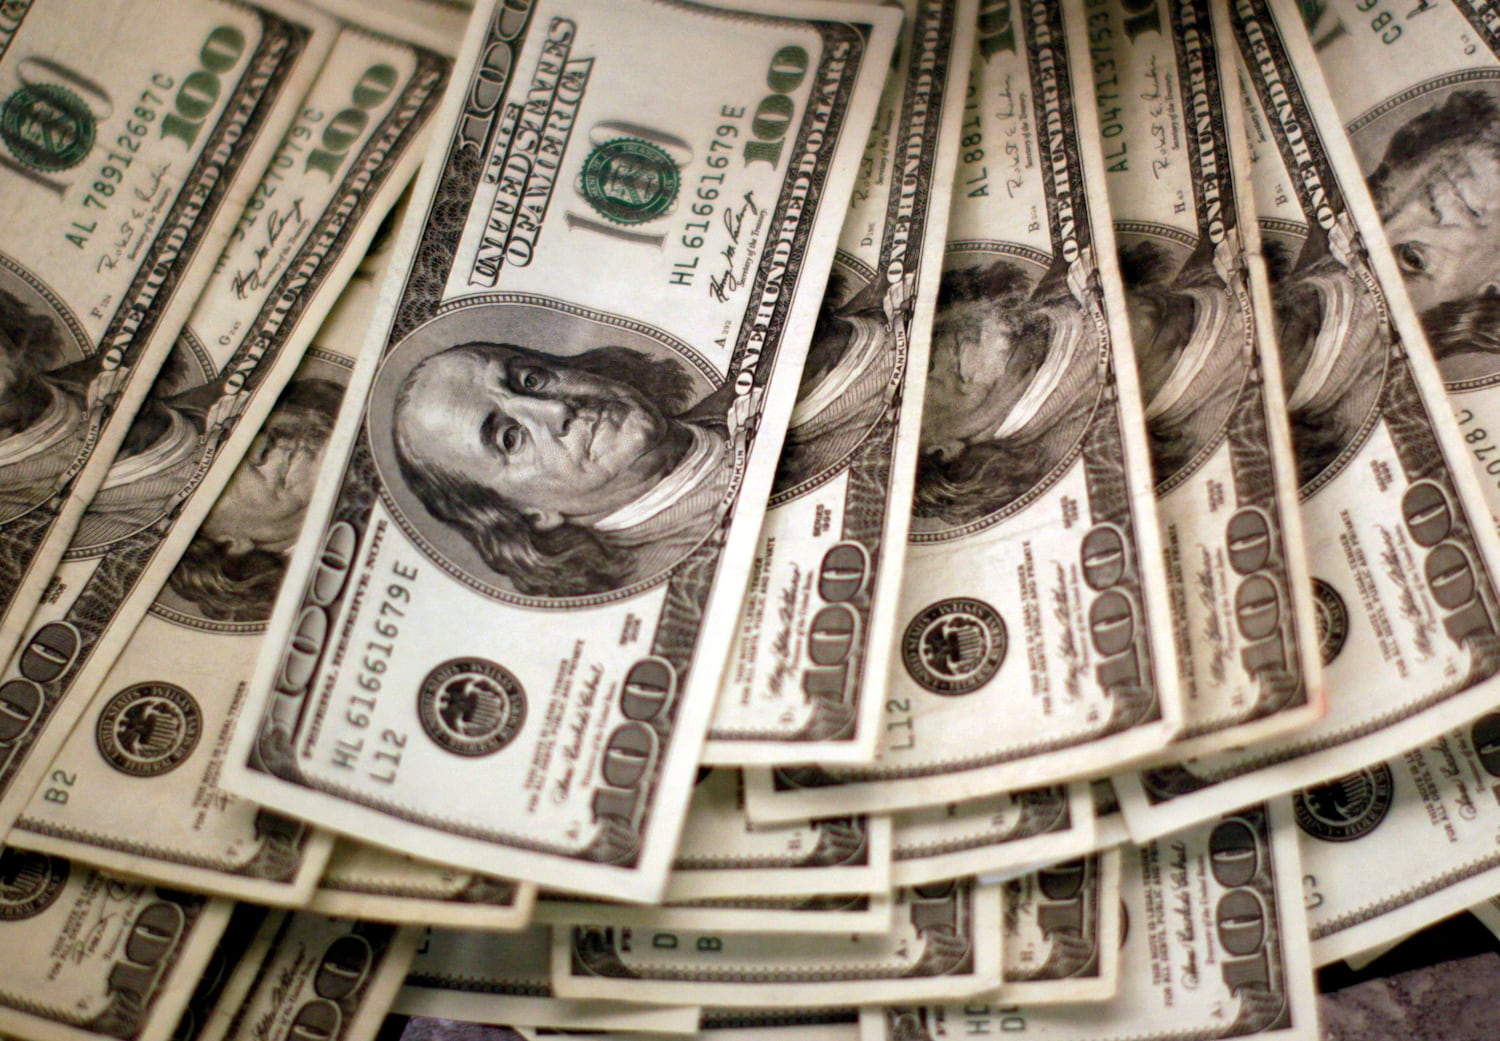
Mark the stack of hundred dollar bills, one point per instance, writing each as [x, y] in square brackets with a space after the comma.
[769, 520]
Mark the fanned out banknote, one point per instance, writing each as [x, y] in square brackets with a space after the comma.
[840, 913]
[562, 434]
[1201, 323]
[305, 975]
[1216, 947]
[1035, 639]
[493, 978]
[721, 855]
[1109, 820]
[807, 671]
[185, 544]
[995, 836]
[1428, 817]
[89, 955]
[1421, 105]
[1062, 933]
[1401, 546]
[220, 988]
[746, 1024]
[946, 939]
[135, 134]
[381, 885]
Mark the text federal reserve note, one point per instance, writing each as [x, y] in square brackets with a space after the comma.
[92, 956]
[561, 433]
[1034, 631]
[194, 521]
[945, 939]
[1216, 947]
[807, 670]
[134, 134]
[493, 978]
[1201, 323]
[1400, 543]
[1427, 817]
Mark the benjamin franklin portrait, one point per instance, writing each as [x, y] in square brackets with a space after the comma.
[568, 474]
[1332, 344]
[1189, 334]
[1437, 188]
[1011, 384]
[236, 561]
[43, 411]
[846, 381]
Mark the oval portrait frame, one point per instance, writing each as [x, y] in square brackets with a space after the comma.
[526, 320]
[76, 345]
[1369, 136]
[1035, 264]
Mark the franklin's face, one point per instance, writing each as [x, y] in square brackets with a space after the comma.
[1442, 217]
[263, 505]
[557, 443]
[979, 369]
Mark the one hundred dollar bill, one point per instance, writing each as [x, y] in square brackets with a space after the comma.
[945, 938]
[1062, 932]
[561, 434]
[1109, 819]
[1420, 101]
[88, 955]
[994, 836]
[381, 885]
[1034, 632]
[842, 913]
[448, 19]
[1400, 543]
[1428, 817]
[1201, 323]
[158, 729]
[747, 1024]
[494, 978]
[176, 510]
[219, 988]
[307, 975]
[720, 854]
[1216, 948]
[134, 135]
[1488, 914]
[807, 671]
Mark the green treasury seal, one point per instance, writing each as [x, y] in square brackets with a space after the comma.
[629, 181]
[47, 127]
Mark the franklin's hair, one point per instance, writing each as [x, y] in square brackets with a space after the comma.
[988, 475]
[31, 346]
[241, 587]
[570, 559]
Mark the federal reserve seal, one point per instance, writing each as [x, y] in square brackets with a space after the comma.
[29, 882]
[47, 127]
[1346, 808]
[954, 646]
[1332, 620]
[629, 181]
[149, 729]
[471, 707]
